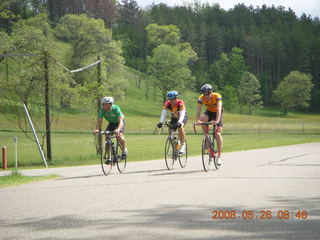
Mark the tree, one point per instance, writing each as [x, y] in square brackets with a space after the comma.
[33, 78]
[170, 58]
[5, 44]
[236, 67]
[294, 91]
[230, 98]
[168, 65]
[249, 91]
[130, 30]
[167, 34]
[219, 71]
[89, 38]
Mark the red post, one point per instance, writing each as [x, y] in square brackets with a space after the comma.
[4, 158]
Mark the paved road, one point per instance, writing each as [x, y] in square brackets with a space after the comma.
[150, 202]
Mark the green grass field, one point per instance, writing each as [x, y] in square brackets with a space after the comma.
[73, 143]
[79, 149]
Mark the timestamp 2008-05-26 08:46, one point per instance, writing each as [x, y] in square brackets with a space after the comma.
[261, 214]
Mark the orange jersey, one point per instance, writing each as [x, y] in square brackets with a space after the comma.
[212, 103]
[175, 108]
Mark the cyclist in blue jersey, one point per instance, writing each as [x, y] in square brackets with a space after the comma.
[112, 113]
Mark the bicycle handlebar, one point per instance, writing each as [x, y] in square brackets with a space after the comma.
[105, 133]
[168, 124]
[203, 124]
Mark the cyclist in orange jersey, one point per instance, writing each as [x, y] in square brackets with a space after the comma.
[213, 113]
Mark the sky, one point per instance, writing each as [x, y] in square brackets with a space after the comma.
[309, 7]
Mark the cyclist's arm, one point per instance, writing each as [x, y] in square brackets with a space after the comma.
[182, 114]
[219, 105]
[163, 115]
[98, 125]
[120, 125]
[199, 107]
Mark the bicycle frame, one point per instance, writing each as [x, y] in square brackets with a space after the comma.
[172, 148]
[207, 130]
[173, 138]
[108, 141]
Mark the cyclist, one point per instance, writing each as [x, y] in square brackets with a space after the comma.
[179, 116]
[213, 113]
[112, 113]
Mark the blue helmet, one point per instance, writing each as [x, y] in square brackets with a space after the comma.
[172, 95]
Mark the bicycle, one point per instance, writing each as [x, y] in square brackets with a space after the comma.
[172, 147]
[109, 154]
[208, 151]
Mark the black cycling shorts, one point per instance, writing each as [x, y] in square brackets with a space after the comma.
[213, 115]
[113, 126]
[175, 120]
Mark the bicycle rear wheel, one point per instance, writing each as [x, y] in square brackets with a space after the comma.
[122, 163]
[183, 157]
[169, 154]
[206, 154]
[107, 158]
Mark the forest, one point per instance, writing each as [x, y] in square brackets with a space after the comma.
[271, 45]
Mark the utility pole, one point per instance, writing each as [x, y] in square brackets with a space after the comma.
[99, 80]
[47, 105]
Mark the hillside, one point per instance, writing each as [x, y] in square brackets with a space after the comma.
[142, 114]
[73, 143]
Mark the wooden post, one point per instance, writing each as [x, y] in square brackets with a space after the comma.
[4, 158]
[99, 96]
[99, 81]
[47, 104]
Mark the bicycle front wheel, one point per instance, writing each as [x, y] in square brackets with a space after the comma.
[183, 157]
[122, 163]
[206, 154]
[215, 155]
[169, 154]
[106, 158]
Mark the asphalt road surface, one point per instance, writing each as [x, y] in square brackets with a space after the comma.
[269, 193]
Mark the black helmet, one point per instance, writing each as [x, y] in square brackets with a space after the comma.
[206, 89]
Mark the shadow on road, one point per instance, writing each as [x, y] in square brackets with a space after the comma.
[186, 222]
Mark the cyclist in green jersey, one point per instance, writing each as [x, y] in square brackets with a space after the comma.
[112, 113]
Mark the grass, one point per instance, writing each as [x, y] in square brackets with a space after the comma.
[79, 149]
[16, 178]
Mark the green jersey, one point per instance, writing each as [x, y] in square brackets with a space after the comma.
[113, 115]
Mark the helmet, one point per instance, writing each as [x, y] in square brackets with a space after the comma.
[172, 95]
[207, 88]
[107, 100]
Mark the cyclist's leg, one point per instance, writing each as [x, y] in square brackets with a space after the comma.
[219, 139]
[182, 133]
[113, 126]
[122, 141]
[204, 118]
[218, 135]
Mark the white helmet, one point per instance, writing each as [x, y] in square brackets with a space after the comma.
[107, 100]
